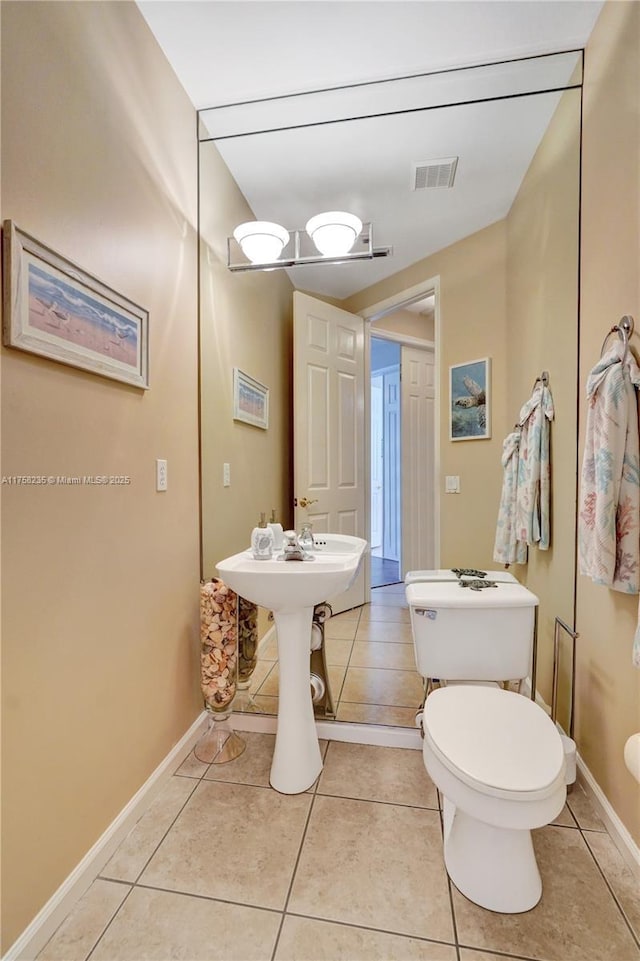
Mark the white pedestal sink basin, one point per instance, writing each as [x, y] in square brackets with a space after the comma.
[291, 589]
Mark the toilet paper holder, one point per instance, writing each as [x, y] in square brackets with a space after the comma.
[568, 742]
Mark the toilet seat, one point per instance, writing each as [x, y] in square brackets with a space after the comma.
[497, 742]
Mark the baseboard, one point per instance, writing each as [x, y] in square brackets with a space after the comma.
[617, 831]
[48, 919]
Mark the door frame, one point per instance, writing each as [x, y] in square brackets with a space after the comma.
[376, 312]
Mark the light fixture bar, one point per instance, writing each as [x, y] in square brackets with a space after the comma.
[292, 255]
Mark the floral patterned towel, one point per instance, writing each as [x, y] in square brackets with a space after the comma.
[507, 548]
[534, 469]
[609, 509]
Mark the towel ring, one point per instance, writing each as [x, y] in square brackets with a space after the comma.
[624, 330]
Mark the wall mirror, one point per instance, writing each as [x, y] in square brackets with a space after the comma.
[357, 148]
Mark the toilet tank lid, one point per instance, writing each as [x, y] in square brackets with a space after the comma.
[447, 594]
[446, 574]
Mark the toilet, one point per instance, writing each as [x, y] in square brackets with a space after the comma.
[499, 762]
[495, 755]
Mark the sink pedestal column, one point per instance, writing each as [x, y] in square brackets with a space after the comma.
[296, 758]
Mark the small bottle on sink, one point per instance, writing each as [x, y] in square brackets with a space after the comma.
[262, 541]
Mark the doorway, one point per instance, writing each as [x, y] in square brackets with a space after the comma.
[386, 461]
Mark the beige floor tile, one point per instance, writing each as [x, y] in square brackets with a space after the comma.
[565, 818]
[467, 955]
[351, 615]
[575, 920]
[303, 939]
[624, 884]
[398, 657]
[337, 674]
[254, 764]
[388, 600]
[79, 932]
[337, 651]
[385, 632]
[136, 849]
[344, 630]
[397, 588]
[377, 865]
[225, 840]
[376, 714]
[267, 704]
[270, 684]
[261, 671]
[583, 810]
[191, 767]
[368, 685]
[373, 773]
[157, 925]
[268, 649]
[378, 612]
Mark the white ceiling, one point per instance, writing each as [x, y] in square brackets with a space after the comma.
[228, 52]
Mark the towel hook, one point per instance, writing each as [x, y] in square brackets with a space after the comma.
[624, 330]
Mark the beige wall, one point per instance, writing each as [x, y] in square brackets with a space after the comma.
[409, 323]
[100, 587]
[608, 688]
[246, 322]
[473, 325]
[542, 332]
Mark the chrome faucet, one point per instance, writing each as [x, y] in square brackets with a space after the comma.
[306, 539]
[292, 549]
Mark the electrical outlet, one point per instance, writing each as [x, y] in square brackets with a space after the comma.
[226, 475]
[161, 475]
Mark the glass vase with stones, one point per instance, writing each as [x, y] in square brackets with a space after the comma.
[218, 671]
[247, 655]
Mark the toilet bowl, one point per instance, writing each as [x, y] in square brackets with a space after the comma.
[498, 761]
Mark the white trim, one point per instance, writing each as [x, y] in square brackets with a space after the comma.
[49, 918]
[352, 733]
[399, 338]
[616, 829]
[407, 296]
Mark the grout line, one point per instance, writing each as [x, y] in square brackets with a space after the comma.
[293, 873]
[206, 897]
[613, 894]
[110, 922]
[146, 864]
[367, 927]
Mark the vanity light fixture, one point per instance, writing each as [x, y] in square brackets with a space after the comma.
[332, 237]
[334, 232]
[261, 241]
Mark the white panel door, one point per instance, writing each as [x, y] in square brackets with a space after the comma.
[377, 463]
[392, 538]
[418, 459]
[328, 434]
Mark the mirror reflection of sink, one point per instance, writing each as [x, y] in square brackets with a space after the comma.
[291, 589]
[292, 585]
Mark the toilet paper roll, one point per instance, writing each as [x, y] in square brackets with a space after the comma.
[316, 637]
[632, 755]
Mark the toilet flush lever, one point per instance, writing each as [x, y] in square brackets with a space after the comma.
[426, 612]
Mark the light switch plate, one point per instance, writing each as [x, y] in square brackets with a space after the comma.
[161, 475]
[226, 475]
[452, 484]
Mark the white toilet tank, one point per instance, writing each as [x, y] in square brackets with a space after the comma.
[462, 634]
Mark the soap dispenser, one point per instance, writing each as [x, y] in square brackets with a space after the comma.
[262, 541]
[276, 530]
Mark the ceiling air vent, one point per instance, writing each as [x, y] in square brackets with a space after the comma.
[434, 173]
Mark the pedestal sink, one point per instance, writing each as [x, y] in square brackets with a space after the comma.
[291, 589]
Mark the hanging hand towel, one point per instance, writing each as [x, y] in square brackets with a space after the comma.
[507, 548]
[534, 469]
[609, 515]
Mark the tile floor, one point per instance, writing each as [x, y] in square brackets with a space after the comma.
[223, 868]
[370, 660]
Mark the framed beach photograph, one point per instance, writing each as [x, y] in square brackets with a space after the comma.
[55, 309]
[470, 408]
[250, 400]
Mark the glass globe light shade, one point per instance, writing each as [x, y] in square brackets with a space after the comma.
[262, 242]
[334, 232]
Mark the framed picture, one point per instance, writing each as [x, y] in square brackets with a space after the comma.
[470, 408]
[55, 309]
[250, 400]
